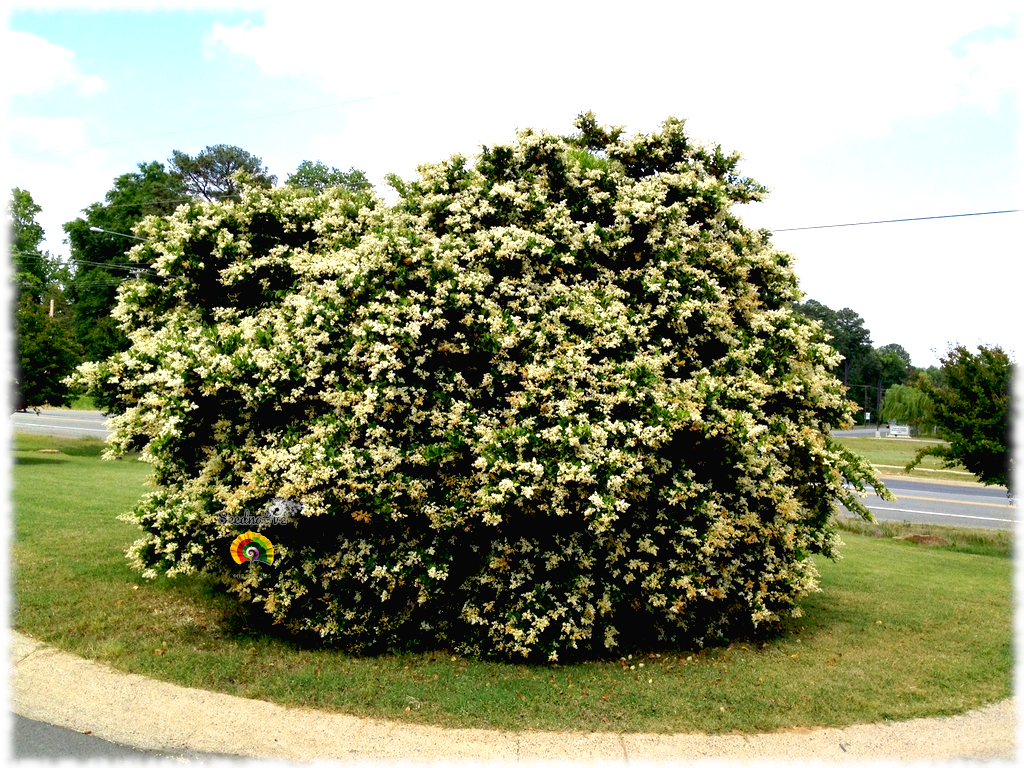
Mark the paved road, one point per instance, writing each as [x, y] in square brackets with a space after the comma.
[920, 501]
[861, 431]
[63, 423]
[34, 740]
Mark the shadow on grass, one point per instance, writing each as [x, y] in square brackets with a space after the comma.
[247, 623]
[84, 447]
[34, 460]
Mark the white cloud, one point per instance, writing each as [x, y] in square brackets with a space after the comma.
[38, 65]
[135, 5]
[994, 67]
[29, 135]
[802, 73]
[774, 83]
[62, 189]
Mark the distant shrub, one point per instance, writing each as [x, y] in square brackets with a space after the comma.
[554, 398]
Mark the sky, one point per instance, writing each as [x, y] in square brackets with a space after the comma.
[848, 113]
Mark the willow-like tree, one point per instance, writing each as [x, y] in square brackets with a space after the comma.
[909, 405]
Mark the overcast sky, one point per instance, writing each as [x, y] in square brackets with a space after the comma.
[849, 113]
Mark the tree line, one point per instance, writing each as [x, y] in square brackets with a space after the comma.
[965, 401]
[868, 372]
[63, 311]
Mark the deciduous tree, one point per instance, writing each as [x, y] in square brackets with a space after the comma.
[972, 409]
[318, 177]
[849, 338]
[33, 269]
[45, 353]
[899, 352]
[44, 348]
[100, 259]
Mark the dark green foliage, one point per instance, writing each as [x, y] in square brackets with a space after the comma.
[32, 270]
[866, 371]
[934, 375]
[898, 351]
[973, 409]
[45, 353]
[889, 366]
[44, 347]
[210, 174]
[849, 337]
[101, 259]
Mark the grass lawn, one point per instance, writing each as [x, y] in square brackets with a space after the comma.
[899, 631]
[974, 541]
[896, 452]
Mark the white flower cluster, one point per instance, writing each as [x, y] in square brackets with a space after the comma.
[553, 399]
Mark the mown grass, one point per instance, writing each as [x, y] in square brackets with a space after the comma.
[899, 631]
[896, 452]
[974, 541]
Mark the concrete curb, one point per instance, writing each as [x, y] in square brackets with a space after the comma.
[62, 689]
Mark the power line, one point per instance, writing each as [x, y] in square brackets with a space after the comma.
[42, 257]
[788, 229]
[785, 229]
[896, 221]
[154, 201]
[205, 127]
[102, 283]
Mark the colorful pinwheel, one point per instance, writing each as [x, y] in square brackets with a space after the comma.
[252, 547]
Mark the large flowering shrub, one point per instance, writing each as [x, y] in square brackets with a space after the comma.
[553, 399]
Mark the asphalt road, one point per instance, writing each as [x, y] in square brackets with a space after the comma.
[34, 740]
[920, 501]
[63, 423]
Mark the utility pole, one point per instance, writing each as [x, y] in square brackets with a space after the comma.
[878, 422]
